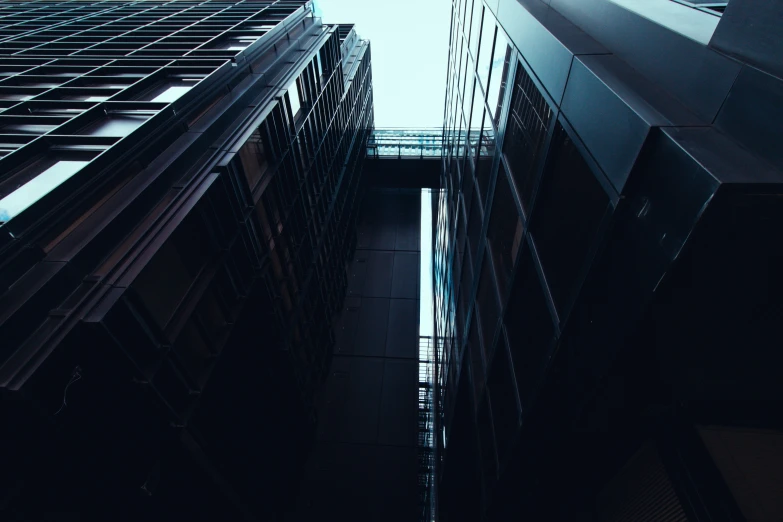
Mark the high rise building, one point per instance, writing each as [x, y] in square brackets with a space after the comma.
[178, 195]
[210, 262]
[606, 253]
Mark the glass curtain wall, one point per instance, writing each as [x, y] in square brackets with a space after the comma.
[478, 66]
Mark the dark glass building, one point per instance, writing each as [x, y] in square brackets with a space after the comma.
[607, 246]
[178, 195]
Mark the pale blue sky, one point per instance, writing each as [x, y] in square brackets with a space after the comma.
[409, 40]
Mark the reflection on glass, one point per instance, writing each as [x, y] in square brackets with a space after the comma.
[485, 153]
[237, 44]
[498, 76]
[485, 52]
[27, 128]
[293, 95]
[171, 94]
[116, 125]
[253, 159]
[528, 120]
[478, 110]
[475, 25]
[463, 54]
[467, 94]
[505, 231]
[15, 96]
[36, 188]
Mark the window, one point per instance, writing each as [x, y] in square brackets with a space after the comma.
[505, 232]
[28, 128]
[239, 43]
[487, 301]
[320, 67]
[193, 353]
[293, 97]
[5, 95]
[254, 161]
[475, 25]
[505, 411]
[567, 218]
[486, 154]
[476, 354]
[529, 328]
[168, 90]
[485, 51]
[474, 221]
[465, 69]
[164, 283]
[171, 94]
[24, 196]
[477, 113]
[116, 125]
[528, 120]
[499, 70]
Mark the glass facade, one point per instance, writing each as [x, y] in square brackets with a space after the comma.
[550, 369]
[479, 61]
[178, 202]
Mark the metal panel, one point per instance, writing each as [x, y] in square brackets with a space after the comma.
[612, 108]
[750, 30]
[696, 75]
[725, 160]
[546, 40]
[753, 114]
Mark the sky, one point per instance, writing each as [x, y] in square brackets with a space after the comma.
[409, 40]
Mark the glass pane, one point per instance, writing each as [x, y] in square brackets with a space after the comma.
[115, 125]
[466, 64]
[170, 94]
[477, 112]
[566, 222]
[461, 64]
[485, 153]
[293, 95]
[36, 188]
[163, 283]
[485, 52]
[461, 149]
[529, 327]
[476, 355]
[498, 77]
[253, 159]
[487, 301]
[467, 96]
[505, 232]
[528, 120]
[474, 28]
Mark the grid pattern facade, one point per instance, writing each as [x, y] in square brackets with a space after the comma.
[477, 68]
[479, 230]
[140, 29]
[198, 169]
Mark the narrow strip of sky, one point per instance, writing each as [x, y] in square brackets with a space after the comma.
[409, 41]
